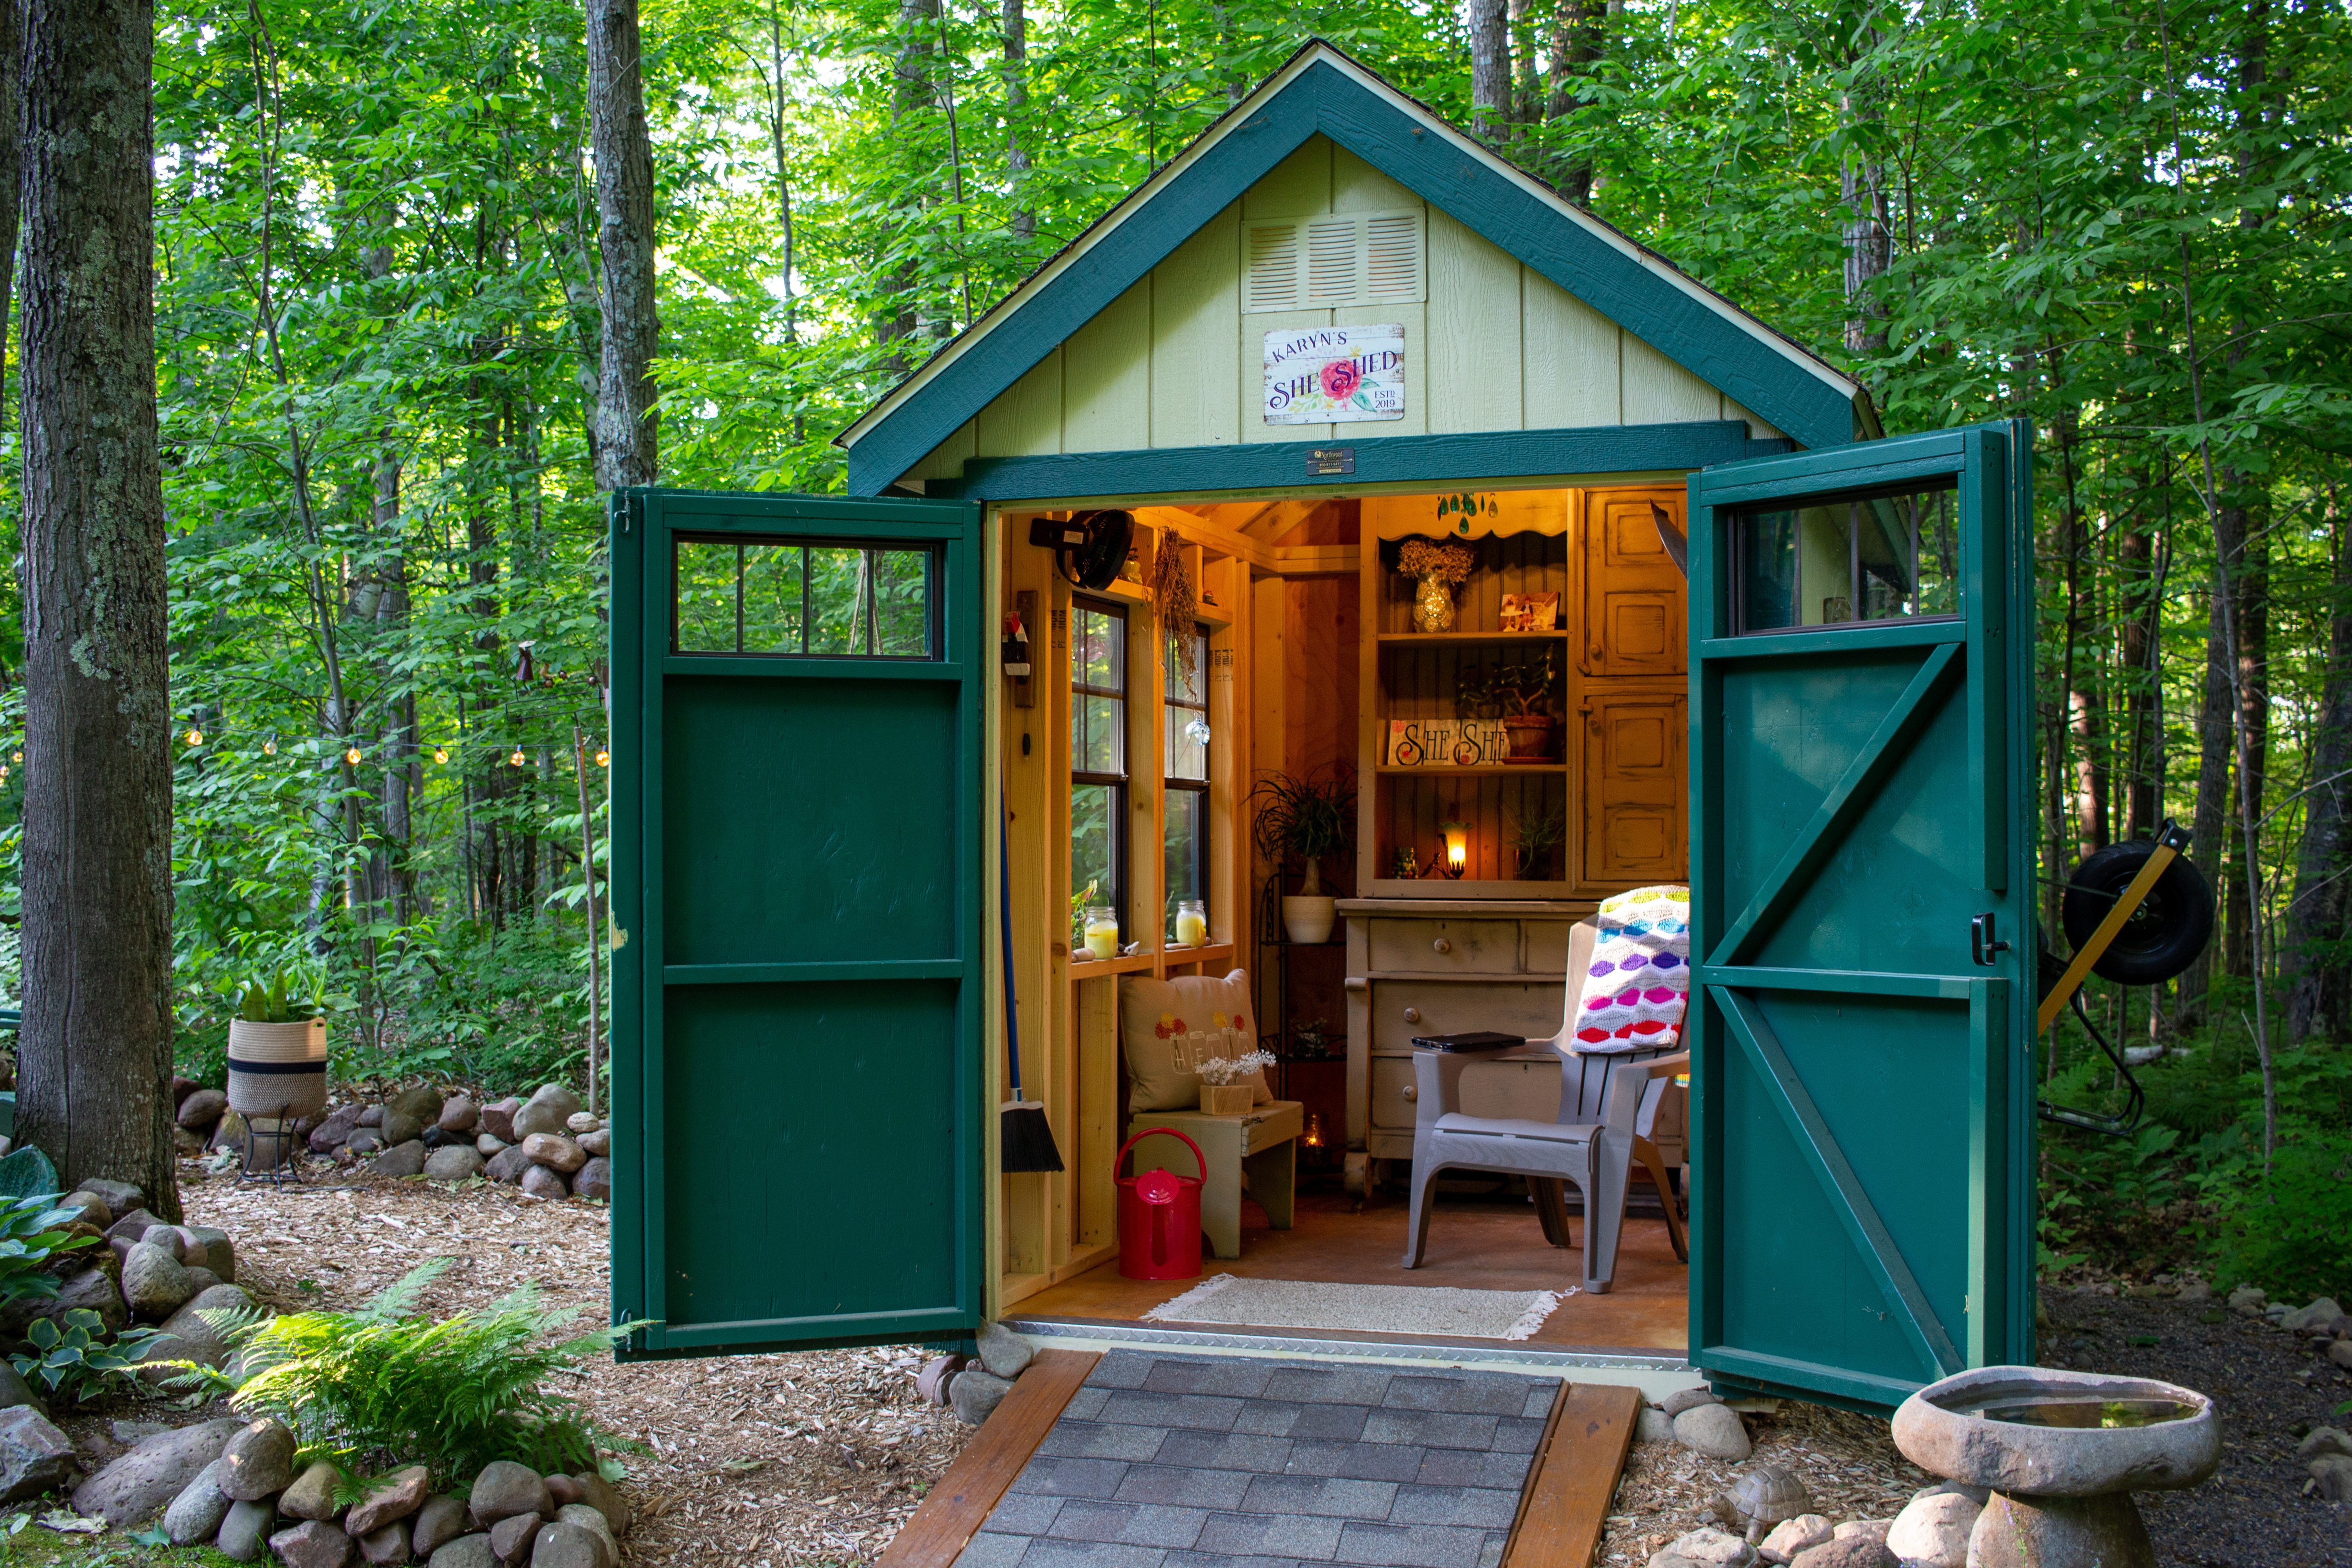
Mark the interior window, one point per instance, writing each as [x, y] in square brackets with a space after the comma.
[1097, 765]
[1184, 722]
[1833, 562]
[796, 599]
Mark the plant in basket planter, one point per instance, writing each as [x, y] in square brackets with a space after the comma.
[277, 1051]
[1306, 819]
[1439, 569]
[1225, 1082]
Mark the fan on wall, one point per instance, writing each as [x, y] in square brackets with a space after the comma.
[1089, 548]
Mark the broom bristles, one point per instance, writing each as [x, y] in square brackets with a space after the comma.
[1026, 1142]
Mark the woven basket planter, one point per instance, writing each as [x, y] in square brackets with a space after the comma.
[277, 1070]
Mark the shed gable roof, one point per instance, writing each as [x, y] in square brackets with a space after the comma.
[1320, 89]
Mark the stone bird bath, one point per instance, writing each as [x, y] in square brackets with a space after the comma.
[2062, 1452]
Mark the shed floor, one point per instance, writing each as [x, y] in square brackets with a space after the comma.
[1473, 1244]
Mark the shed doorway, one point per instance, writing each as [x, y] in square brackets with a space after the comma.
[1313, 657]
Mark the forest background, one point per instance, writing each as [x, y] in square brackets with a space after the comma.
[378, 334]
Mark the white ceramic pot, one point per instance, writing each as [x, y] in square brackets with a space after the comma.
[1308, 919]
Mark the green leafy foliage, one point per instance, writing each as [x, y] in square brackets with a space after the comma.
[385, 1385]
[77, 1362]
[31, 1234]
[27, 1173]
[275, 998]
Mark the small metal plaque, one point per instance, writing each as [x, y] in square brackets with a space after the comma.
[1322, 460]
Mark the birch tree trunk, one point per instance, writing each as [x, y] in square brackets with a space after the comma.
[95, 1056]
[625, 415]
[1490, 70]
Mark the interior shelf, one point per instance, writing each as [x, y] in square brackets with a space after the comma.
[1476, 771]
[1439, 639]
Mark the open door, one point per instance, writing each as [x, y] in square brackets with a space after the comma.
[1861, 861]
[799, 966]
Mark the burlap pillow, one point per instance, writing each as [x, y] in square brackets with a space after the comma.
[1169, 1026]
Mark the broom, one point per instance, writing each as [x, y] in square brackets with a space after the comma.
[1026, 1140]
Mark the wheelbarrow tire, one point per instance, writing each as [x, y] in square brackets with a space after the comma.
[2163, 937]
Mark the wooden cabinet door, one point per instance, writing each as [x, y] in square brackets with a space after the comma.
[1635, 785]
[1634, 598]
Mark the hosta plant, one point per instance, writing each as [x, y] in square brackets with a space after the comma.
[77, 1362]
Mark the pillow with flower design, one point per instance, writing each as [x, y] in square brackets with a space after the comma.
[1169, 1028]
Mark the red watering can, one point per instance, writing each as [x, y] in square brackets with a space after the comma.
[1158, 1216]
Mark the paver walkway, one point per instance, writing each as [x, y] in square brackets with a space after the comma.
[1233, 1462]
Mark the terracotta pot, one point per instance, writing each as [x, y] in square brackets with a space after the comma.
[1227, 1098]
[1530, 737]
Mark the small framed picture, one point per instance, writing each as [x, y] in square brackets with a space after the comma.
[1530, 612]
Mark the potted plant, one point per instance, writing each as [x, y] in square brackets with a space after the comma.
[1224, 1089]
[1307, 818]
[1439, 569]
[276, 1050]
[1529, 724]
[1533, 837]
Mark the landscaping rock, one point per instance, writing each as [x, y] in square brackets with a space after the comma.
[508, 1165]
[1682, 1399]
[371, 1116]
[219, 1253]
[203, 1278]
[554, 1150]
[457, 1163]
[94, 1287]
[397, 1496]
[598, 1144]
[133, 1226]
[154, 1472]
[1791, 1536]
[593, 1179]
[606, 1498]
[335, 1131]
[202, 1109]
[460, 1114]
[489, 1147]
[386, 1544]
[2340, 1353]
[931, 1383]
[1933, 1531]
[511, 1538]
[88, 1209]
[188, 1337]
[1654, 1427]
[154, 1283]
[196, 1513]
[2320, 1314]
[15, 1392]
[228, 1133]
[2196, 1290]
[120, 1196]
[549, 1110]
[1713, 1430]
[506, 1488]
[245, 1532]
[466, 1551]
[258, 1461]
[186, 1144]
[424, 1103]
[497, 1118]
[564, 1489]
[441, 1520]
[2247, 1301]
[1848, 1552]
[581, 1122]
[2333, 1472]
[975, 1394]
[404, 1159]
[365, 1141]
[35, 1456]
[398, 1126]
[564, 1545]
[1705, 1548]
[539, 1182]
[591, 1520]
[182, 1088]
[313, 1544]
[1002, 1351]
[132, 1433]
[312, 1495]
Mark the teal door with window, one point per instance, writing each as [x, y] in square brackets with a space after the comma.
[1861, 866]
[799, 969]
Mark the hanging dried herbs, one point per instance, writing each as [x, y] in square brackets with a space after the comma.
[1180, 603]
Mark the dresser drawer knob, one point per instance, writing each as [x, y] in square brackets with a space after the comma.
[1413, 1015]
[1412, 1091]
[1441, 945]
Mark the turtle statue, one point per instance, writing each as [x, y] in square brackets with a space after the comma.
[1760, 1498]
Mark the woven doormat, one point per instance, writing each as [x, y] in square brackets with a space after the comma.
[1363, 1309]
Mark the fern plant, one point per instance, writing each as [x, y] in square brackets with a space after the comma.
[385, 1385]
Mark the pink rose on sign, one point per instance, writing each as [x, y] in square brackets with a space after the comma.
[1340, 379]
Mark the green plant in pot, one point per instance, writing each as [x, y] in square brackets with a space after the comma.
[1534, 836]
[277, 1049]
[1527, 689]
[1305, 819]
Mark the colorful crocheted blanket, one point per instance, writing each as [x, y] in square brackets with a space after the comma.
[1639, 984]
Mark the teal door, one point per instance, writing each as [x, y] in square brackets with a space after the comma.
[1862, 915]
[798, 981]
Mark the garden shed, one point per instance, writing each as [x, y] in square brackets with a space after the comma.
[1334, 449]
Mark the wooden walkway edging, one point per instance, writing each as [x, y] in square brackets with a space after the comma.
[1567, 1499]
[964, 1497]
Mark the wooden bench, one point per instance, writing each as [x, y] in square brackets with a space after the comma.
[1255, 1153]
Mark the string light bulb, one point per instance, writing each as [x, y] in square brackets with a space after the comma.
[15, 756]
[195, 736]
[440, 753]
[351, 756]
[268, 748]
[603, 758]
[517, 758]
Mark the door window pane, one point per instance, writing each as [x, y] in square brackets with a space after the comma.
[788, 598]
[705, 597]
[1831, 563]
[772, 597]
[902, 603]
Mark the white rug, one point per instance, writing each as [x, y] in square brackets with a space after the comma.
[1364, 1308]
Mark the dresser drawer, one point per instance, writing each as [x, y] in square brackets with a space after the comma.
[1401, 1009]
[1547, 942]
[1392, 1076]
[1529, 1091]
[1445, 946]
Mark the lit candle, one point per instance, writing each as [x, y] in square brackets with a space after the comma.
[1191, 923]
[1457, 847]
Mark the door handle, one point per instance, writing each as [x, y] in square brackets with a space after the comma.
[1982, 944]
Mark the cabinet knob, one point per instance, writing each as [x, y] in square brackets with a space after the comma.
[1413, 1015]
[1441, 945]
[1412, 1091]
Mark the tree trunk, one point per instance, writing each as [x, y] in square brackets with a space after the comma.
[625, 415]
[2138, 608]
[95, 1054]
[2247, 553]
[1016, 103]
[2209, 826]
[1575, 49]
[12, 147]
[2312, 954]
[910, 90]
[2085, 713]
[1490, 70]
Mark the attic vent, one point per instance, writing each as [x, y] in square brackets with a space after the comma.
[1324, 263]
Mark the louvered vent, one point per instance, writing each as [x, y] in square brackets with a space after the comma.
[1272, 266]
[1327, 263]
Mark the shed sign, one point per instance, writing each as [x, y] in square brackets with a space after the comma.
[1333, 375]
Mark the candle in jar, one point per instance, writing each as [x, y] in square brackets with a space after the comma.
[1192, 928]
[1102, 939]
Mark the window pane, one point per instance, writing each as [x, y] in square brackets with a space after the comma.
[1098, 649]
[771, 598]
[902, 603]
[1098, 735]
[1881, 558]
[1186, 747]
[1093, 861]
[838, 596]
[1766, 544]
[705, 597]
[1185, 819]
[1189, 689]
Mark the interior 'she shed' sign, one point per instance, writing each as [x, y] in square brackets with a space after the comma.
[1331, 376]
